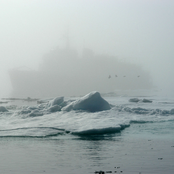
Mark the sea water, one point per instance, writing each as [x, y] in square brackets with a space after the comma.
[131, 137]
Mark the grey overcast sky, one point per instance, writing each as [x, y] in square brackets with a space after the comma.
[138, 31]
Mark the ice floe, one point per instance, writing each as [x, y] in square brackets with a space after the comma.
[136, 100]
[91, 102]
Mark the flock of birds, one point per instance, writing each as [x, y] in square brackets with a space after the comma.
[117, 76]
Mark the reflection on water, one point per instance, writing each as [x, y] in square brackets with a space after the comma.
[127, 152]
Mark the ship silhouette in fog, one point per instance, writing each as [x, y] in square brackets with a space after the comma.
[64, 73]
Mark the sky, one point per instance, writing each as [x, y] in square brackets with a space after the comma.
[135, 31]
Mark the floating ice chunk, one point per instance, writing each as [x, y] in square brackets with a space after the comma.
[42, 106]
[146, 101]
[3, 109]
[32, 107]
[65, 103]
[98, 131]
[134, 100]
[91, 102]
[165, 112]
[56, 101]
[68, 107]
[54, 108]
[11, 107]
[140, 110]
[25, 111]
[35, 113]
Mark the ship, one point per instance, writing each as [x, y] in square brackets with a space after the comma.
[64, 73]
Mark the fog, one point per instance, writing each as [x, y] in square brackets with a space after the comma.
[135, 31]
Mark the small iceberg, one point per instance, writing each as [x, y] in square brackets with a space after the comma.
[92, 102]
